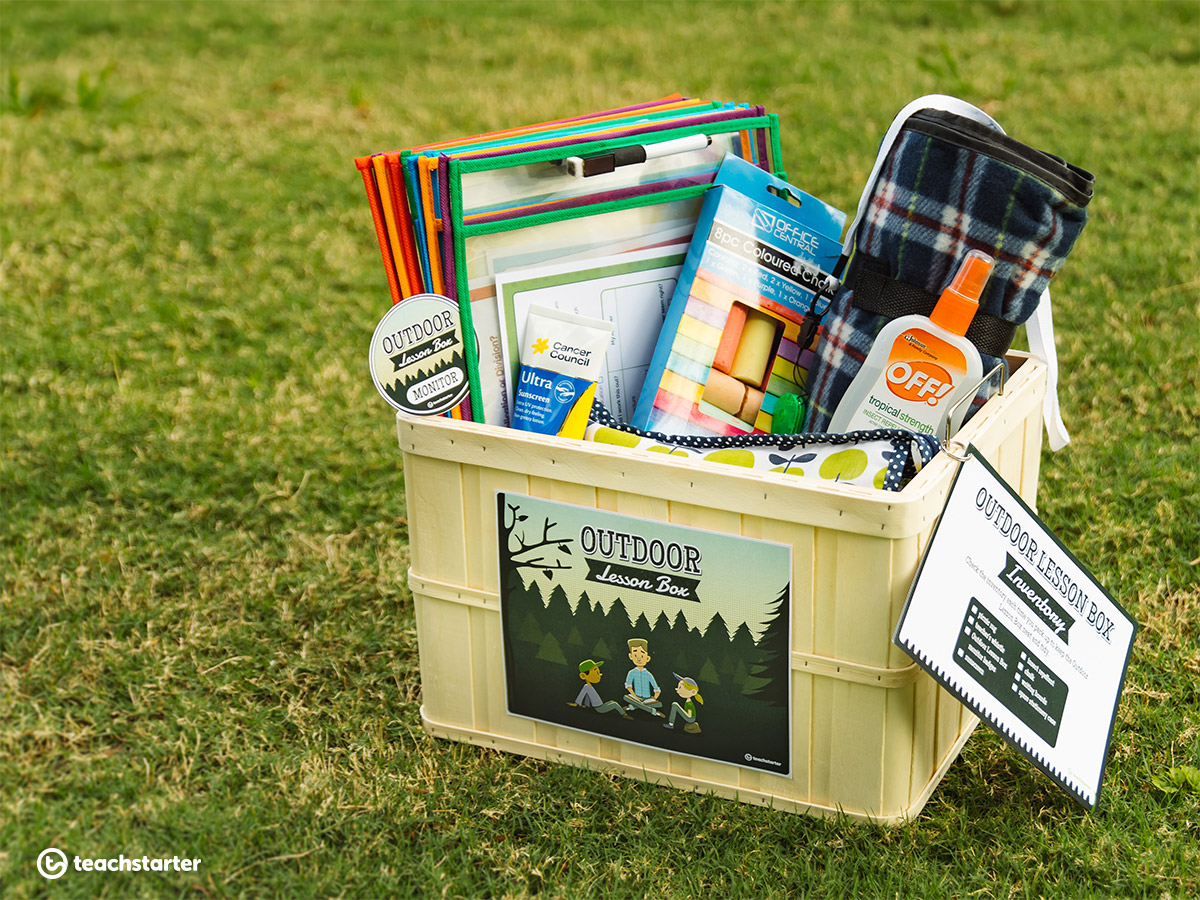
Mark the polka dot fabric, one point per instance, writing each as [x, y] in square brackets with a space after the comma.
[884, 459]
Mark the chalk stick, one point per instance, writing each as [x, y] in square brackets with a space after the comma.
[708, 417]
[667, 423]
[755, 348]
[732, 396]
[687, 368]
[675, 384]
[693, 350]
[789, 350]
[673, 405]
[698, 308]
[731, 336]
[714, 294]
[698, 331]
[780, 386]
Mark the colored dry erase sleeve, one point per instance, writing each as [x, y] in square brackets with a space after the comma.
[427, 209]
[482, 250]
[422, 175]
[545, 159]
[383, 184]
[505, 187]
[581, 130]
[718, 127]
[367, 168]
[509, 189]
[420, 185]
[667, 102]
[516, 137]
[404, 221]
[408, 248]
[527, 189]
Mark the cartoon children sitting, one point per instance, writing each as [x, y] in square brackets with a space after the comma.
[641, 690]
[589, 671]
[689, 691]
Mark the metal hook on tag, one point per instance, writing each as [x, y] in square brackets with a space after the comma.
[963, 457]
[970, 395]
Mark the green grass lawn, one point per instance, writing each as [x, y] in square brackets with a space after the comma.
[207, 647]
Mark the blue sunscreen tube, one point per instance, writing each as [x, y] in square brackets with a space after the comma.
[561, 361]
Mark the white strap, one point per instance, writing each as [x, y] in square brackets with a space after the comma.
[1040, 327]
[1040, 331]
[929, 101]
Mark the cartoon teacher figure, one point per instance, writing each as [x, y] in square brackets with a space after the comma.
[641, 689]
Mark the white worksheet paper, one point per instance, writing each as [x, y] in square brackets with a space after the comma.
[631, 290]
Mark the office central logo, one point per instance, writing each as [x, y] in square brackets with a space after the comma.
[763, 219]
[52, 863]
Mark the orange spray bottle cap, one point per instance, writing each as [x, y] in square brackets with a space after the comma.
[960, 301]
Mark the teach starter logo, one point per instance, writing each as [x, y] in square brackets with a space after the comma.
[52, 863]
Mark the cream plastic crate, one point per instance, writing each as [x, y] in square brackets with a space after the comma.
[872, 734]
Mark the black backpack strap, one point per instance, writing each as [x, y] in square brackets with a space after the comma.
[875, 291]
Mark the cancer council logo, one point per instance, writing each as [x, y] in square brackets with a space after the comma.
[52, 863]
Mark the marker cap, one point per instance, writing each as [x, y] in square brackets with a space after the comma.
[960, 301]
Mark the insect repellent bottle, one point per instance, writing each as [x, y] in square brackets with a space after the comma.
[919, 367]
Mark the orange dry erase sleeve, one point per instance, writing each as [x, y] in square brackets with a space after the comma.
[409, 258]
[366, 167]
[389, 220]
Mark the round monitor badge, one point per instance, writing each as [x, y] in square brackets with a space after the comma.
[418, 358]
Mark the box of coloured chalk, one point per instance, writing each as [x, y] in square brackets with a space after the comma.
[758, 264]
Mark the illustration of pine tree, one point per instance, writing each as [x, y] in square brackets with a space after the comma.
[529, 630]
[681, 663]
[641, 628]
[589, 617]
[754, 684]
[515, 584]
[534, 593]
[662, 628]
[558, 618]
[708, 673]
[551, 651]
[617, 617]
[574, 639]
[716, 629]
[768, 681]
[602, 651]
[742, 643]
[739, 673]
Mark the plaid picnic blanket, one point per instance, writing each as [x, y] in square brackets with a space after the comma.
[949, 185]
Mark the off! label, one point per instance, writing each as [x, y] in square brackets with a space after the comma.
[418, 358]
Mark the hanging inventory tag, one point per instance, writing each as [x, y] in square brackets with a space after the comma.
[1012, 624]
[418, 360]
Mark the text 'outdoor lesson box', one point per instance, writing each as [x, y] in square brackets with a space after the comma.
[547, 574]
